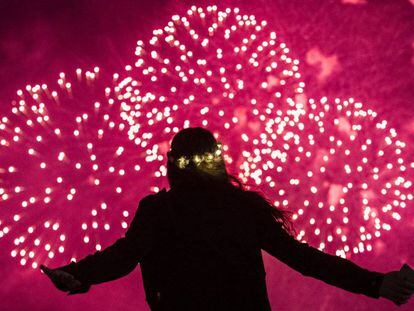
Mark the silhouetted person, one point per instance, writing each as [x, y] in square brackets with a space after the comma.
[199, 244]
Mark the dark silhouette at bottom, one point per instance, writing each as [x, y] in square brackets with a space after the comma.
[199, 244]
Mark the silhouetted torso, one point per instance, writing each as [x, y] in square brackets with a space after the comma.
[203, 252]
[208, 255]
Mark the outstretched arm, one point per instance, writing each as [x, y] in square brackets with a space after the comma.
[120, 258]
[310, 261]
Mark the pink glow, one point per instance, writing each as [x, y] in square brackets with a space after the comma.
[78, 151]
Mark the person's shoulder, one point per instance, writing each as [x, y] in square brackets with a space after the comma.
[152, 199]
[249, 196]
[255, 201]
[149, 205]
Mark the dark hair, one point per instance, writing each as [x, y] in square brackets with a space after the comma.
[213, 176]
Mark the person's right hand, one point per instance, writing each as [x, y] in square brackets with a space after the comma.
[61, 279]
[396, 287]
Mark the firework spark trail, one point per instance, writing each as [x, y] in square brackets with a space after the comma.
[345, 175]
[68, 172]
[211, 68]
[72, 158]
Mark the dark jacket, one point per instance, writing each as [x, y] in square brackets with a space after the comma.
[201, 252]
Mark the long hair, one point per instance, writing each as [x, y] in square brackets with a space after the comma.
[191, 143]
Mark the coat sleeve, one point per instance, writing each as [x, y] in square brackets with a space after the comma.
[120, 258]
[310, 261]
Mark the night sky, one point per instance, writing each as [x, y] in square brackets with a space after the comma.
[349, 48]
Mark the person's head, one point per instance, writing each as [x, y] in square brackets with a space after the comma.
[195, 159]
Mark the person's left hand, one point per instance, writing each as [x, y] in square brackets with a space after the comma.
[62, 280]
[397, 287]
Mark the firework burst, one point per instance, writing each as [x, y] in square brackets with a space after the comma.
[68, 173]
[344, 174]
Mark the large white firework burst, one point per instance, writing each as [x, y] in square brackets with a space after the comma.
[68, 173]
[217, 69]
[344, 174]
